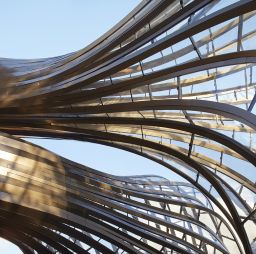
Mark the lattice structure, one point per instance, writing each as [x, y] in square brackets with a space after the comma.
[174, 82]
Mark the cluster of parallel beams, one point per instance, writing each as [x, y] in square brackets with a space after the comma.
[174, 82]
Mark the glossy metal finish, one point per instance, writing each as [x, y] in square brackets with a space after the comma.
[174, 82]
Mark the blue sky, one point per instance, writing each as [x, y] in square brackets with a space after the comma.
[43, 28]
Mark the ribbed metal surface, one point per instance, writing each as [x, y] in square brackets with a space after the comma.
[174, 81]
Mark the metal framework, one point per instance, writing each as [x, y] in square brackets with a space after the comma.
[174, 82]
